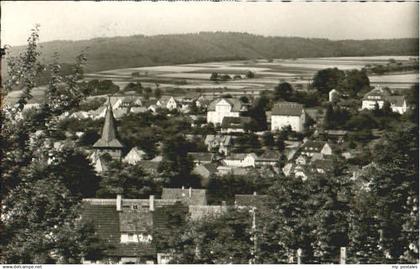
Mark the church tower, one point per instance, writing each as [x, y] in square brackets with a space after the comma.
[109, 143]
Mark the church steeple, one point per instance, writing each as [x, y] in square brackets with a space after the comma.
[109, 143]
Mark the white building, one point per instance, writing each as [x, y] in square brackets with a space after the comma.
[380, 96]
[241, 160]
[167, 102]
[135, 155]
[223, 107]
[288, 113]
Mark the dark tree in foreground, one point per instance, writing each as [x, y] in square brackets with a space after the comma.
[218, 240]
[40, 202]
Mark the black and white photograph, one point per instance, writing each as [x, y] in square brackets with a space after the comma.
[209, 132]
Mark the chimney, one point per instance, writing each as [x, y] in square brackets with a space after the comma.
[152, 203]
[182, 187]
[255, 193]
[119, 202]
[189, 191]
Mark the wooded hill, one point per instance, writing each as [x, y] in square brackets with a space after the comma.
[139, 50]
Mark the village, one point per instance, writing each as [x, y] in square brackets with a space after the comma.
[226, 141]
[157, 133]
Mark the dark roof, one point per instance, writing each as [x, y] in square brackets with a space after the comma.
[106, 221]
[188, 196]
[201, 156]
[270, 155]
[211, 167]
[251, 200]
[235, 122]
[109, 132]
[396, 100]
[313, 146]
[235, 103]
[287, 109]
[378, 91]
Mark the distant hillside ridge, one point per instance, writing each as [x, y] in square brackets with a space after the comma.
[140, 50]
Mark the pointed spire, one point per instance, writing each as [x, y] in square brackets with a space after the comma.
[109, 131]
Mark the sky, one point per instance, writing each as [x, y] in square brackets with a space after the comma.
[70, 20]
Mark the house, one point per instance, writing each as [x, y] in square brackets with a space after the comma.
[224, 107]
[379, 96]
[134, 155]
[240, 160]
[131, 101]
[201, 157]
[126, 227]
[312, 147]
[167, 102]
[109, 143]
[199, 212]
[288, 113]
[188, 196]
[219, 143]
[235, 124]
[268, 158]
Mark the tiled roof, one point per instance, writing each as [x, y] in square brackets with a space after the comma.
[106, 222]
[240, 156]
[188, 196]
[313, 146]
[235, 104]
[224, 139]
[396, 100]
[287, 109]
[378, 91]
[201, 156]
[132, 220]
[270, 155]
[235, 122]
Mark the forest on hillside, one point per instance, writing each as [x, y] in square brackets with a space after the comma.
[140, 50]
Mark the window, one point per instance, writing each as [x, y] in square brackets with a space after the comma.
[130, 237]
[135, 207]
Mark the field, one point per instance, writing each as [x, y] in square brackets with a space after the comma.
[298, 72]
[268, 74]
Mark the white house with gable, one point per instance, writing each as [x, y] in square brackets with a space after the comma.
[224, 107]
[288, 113]
[380, 96]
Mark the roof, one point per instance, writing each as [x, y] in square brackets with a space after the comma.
[396, 100]
[270, 155]
[235, 122]
[377, 91]
[106, 221]
[251, 200]
[235, 104]
[240, 156]
[188, 196]
[199, 212]
[164, 100]
[109, 132]
[201, 156]
[287, 109]
[132, 220]
[220, 139]
[315, 146]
